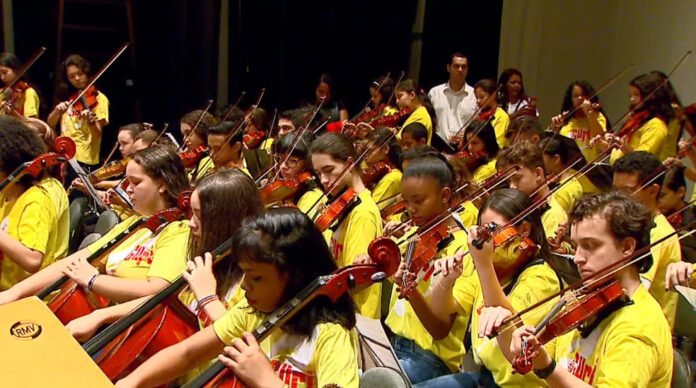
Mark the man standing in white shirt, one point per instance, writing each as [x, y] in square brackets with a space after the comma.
[454, 101]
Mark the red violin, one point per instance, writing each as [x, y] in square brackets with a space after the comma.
[252, 141]
[472, 160]
[87, 101]
[193, 157]
[284, 189]
[634, 123]
[392, 120]
[372, 174]
[502, 236]
[336, 209]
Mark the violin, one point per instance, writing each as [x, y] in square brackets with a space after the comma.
[372, 174]
[14, 98]
[486, 115]
[525, 251]
[191, 158]
[109, 170]
[395, 208]
[337, 209]
[85, 101]
[634, 122]
[332, 286]
[472, 160]
[392, 120]
[577, 312]
[252, 141]
[282, 190]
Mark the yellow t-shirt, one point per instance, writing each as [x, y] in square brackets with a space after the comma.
[38, 219]
[328, 356]
[500, 123]
[669, 146]
[404, 322]
[663, 254]
[267, 145]
[422, 116]
[469, 214]
[578, 128]
[386, 190]
[77, 127]
[352, 237]
[308, 202]
[205, 167]
[534, 283]
[650, 137]
[632, 347]
[143, 255]
[553, 217]
[28, 103]
[568, 193]
[485, 171]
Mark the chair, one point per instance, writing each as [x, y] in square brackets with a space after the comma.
[383, 377]
[682, 376]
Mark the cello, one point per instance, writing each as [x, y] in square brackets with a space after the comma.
[72, 301]
[64, 151]
[332, 286]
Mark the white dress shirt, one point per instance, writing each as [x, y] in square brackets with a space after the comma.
[452, 109]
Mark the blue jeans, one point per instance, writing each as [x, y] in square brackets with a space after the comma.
[461, 379]
[419, 364]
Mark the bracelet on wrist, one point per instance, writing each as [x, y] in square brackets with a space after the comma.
[205, 300]
[547, 371]
[90, 283]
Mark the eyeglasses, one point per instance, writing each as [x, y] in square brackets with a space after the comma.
[291, 162]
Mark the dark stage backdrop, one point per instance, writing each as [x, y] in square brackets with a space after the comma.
[282, 45]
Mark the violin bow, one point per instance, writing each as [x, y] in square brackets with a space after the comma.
[23, 70]
[196, 124]
[367, 104]
[393, 93]
[99, 74]
[236, 103]
[162, 132]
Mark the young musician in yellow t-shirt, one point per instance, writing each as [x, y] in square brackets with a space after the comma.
[488, 104]
[531, 179]
[144, 262]
[628, 344]
[502, 274]
[86, 125]
[22, 100]
[226, 146]
[35, 219]
[195, 136]
[298, 163]
[280, 252]
[588, 121]
[427, 189]
[483, 150]
[410, 95]
[211, 289]
[386, 189]
[557, 159]
[633, 174]
[331, 155]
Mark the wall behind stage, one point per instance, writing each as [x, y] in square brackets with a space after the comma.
[554, 43]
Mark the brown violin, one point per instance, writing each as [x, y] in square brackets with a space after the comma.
[282, 190]
[634, 123]
[337, 209]
[252, 141]
[109, 170]
[191, 158]
[372, 174]
[392, 120]
[501, 236]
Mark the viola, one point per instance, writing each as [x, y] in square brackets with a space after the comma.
[109, 170]
[85, 101]
[191, 158]
[577, 312]
[64, 151]
[372, 174]
[332, 286]
[72, 301]
[634, 123]
[282, 190]
[392, 120]
[337, 209]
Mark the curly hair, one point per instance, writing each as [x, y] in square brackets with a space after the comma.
[523, 153]
[18, 144]
[626, 218]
